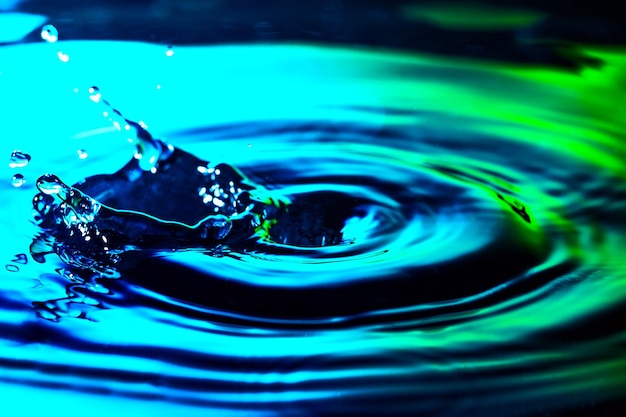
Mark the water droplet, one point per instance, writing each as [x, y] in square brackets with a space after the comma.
[94, 94]
[169, 51]
[19, 159]
[82, 154]
[66, 204]
[18, 180]
[215, 227]
[49, 34]
[63, 57]
[51, 185]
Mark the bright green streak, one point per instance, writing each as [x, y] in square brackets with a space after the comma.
[471, 16]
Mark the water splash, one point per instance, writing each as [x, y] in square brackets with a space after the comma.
[150, 152]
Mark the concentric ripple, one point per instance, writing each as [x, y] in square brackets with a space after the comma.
[428, 237]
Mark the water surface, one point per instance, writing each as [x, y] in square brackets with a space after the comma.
[453, 243]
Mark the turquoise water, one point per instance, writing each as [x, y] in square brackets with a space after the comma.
[440, 236]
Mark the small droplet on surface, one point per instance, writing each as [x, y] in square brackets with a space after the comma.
[49, 34]
[169, 51]
[94, 94]
[19, 159]
[82, 154]
[18, 180]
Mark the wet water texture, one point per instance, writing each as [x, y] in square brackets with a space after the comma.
[308, 230]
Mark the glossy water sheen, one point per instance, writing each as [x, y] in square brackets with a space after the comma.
[453, 242]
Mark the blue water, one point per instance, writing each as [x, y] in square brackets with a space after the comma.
[444, 237]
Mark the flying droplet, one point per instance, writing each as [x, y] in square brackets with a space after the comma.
[94, 94]
[19, 159]
[169, 51]
[82, 154]
[18, 180]
[49, 34]
[63, 57]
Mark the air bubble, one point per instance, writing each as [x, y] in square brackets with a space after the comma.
[49, 34]
[19, 159]
[82, 154]
[18, 180]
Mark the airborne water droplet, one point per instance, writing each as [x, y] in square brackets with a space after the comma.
[49, 34]
[82, 154]
[19, 159]
[18, 180]
[149, 151]
[63, 57]
[169, 51]
[94, 94]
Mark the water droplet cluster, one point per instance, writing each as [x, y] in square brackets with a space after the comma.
[150, 152]
[50, 34]
[18, 159]
[222, 194]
